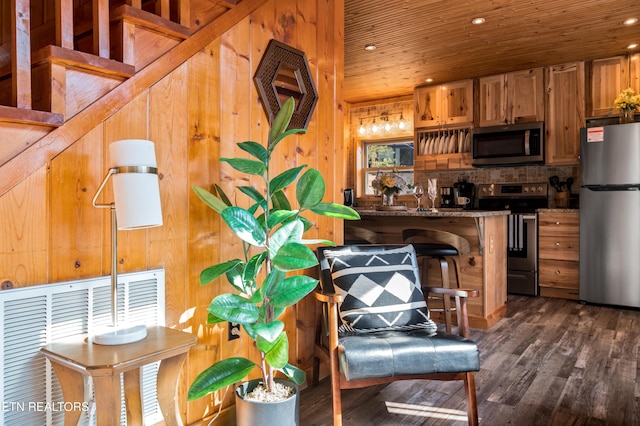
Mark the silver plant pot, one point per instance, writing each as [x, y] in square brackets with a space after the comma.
[257, 413]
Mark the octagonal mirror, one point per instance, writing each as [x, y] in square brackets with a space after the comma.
[284, 72]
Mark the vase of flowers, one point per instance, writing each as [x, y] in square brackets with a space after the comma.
[388, 184]
[627, 103]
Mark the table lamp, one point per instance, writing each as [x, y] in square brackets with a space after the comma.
[136, 205]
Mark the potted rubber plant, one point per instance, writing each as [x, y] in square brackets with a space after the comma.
[271, 230]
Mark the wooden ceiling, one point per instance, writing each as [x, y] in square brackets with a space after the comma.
[416, 39]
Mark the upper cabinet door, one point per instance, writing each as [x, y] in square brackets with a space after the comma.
[515, 97]
[565, 113]
[525, 96]
[450, 103]
[493, 100]
[457, 102]
[428, 105]
[609, 77]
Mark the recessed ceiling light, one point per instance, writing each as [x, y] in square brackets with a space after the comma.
[370, 47]
[429, 80]
[478, 21]
[632, 46]
[630, 21]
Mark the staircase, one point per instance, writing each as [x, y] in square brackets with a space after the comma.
[67, 65]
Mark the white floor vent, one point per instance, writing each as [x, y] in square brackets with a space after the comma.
[31, 317]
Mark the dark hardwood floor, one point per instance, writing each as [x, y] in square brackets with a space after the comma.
[548, 362]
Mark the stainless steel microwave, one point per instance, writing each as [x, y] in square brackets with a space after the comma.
[506, 145]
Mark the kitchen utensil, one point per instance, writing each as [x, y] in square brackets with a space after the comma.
[569, 183]
[554, 181]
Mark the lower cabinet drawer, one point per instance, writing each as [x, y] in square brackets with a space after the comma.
[559, 274]
[560, 248]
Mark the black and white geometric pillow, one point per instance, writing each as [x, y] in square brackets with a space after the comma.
[381, 290]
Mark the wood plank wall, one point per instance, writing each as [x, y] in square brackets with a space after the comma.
[50, 232]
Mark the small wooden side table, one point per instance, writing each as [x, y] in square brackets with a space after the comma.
[74, 358]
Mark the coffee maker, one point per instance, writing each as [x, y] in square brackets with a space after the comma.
[446, 197]
[464, 194]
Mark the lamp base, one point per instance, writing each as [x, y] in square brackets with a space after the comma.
[119, 335]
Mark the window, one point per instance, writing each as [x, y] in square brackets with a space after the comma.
[392, 155]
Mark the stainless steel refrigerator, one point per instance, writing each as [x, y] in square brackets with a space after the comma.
[610, 215]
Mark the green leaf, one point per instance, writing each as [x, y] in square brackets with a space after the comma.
[254, 194]
[289, 232]
[294, 373]
[294, 256]
[336, 210]
[222, 373]
[281, 122]
[269, 332]
[220, 193]
[276, 217]
[284, 179]
[244, 225]
[252, 268]
[209, 199]
[283, 136]
[234, 276]
[292, 290]
[280, 201]
[276, 353]
[273, 280]
[234, 308]
[245, 165]
[307, 223]
[211, 273]
[316, 241]
[212, 319]
[310, 189]
[255, 149]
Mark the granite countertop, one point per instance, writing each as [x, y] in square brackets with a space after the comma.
[558, 210]
[440, 213]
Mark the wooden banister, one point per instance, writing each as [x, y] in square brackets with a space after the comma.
[21, 54]
[46, 148]
[101, 28]
[64, 23]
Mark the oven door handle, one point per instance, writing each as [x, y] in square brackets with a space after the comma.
[529, 217]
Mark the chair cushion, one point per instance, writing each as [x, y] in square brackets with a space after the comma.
[381, 289]
[434, 249]
[398, 353]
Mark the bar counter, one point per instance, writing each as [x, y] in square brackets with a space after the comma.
[483, 269]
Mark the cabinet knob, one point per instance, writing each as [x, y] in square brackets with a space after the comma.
[558, 272]
[557, 223]
[557, 243]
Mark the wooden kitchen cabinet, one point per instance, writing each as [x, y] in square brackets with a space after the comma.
[445, 104]
[607, 78]
[558, 252]
[515, 97]
[565, 113]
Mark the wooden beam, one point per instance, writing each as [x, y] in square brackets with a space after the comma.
[37, 155]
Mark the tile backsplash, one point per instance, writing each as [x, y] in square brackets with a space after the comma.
[522, 174]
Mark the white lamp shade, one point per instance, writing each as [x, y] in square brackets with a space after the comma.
[136, 195]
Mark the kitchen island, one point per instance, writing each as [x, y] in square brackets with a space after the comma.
[483, 269]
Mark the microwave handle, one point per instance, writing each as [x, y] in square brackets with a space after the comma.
[527, 147]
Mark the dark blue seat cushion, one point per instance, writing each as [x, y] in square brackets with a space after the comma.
[399, 353]
[434, 249]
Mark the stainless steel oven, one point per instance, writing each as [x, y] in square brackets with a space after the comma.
[522, 200]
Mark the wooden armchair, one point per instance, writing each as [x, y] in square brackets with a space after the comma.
[370, 347]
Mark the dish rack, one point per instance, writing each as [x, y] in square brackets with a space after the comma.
[443, 141]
